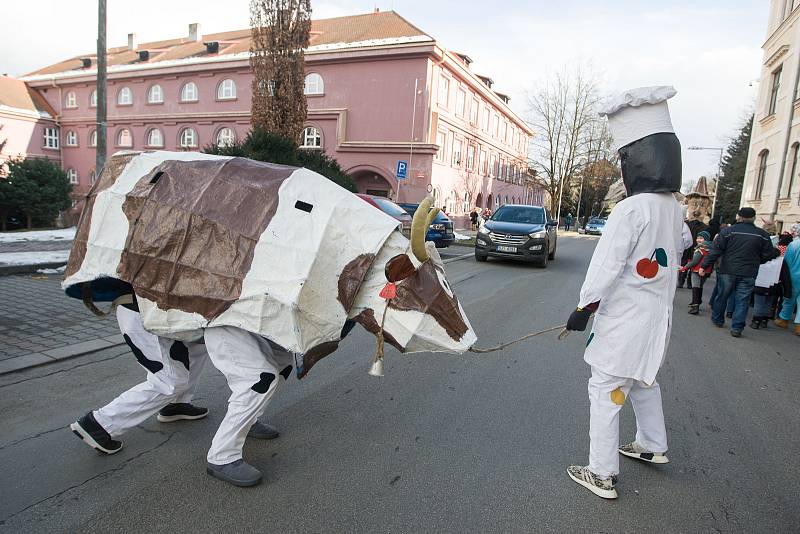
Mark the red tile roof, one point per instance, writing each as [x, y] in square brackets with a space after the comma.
[16, 94]
[350, 29]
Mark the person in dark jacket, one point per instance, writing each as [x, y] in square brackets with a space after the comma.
[743, 247]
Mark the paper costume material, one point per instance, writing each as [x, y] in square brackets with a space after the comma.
[637, 113]
[278, 251]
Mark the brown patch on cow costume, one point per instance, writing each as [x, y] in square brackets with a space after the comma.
[367, 319]
[352, 277]
[184, 236]
[423, 292]
[108, 176]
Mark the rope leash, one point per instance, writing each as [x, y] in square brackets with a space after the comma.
[564, 333]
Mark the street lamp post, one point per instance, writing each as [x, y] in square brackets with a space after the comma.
[719, 172]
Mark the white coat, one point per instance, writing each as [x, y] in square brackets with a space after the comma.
[633, 273]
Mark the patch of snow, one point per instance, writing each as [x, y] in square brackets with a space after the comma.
[33, 258]
[64, 234]
[461, 237]
[59, 270]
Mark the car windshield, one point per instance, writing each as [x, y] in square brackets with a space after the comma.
[519, 214]
[390, 207]
[598, 222]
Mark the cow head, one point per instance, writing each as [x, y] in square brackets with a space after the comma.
[425, 314]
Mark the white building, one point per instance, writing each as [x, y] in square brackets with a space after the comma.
[771, 184]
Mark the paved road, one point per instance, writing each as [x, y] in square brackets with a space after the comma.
[440, 444]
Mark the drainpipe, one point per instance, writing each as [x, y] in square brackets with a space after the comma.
[774, 207]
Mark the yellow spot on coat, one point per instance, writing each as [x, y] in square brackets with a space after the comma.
[618, 397]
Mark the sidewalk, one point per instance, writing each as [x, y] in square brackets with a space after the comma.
[40, 324]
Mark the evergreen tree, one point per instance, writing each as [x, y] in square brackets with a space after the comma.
[37, 188]
[280, 30]
[734, 164]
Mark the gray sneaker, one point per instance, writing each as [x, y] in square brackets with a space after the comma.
[237, 473]
[602, 487]
[261, 430]
[634, 450]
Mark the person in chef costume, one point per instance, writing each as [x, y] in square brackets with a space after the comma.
[630, 286]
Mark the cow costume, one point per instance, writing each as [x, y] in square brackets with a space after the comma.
[630, 285]
[262, 261]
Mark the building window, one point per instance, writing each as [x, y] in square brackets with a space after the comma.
[71, 101]
[124, 138]
[155, 95]
[125, 97]
[461, 102]
[452, 202]
[313, 84]
[71, 138]
[482, 163]
[93, 138]
[226, 90]
[466, 205]
[189, 92]
[773, 92]
[51, 137]
[93, 98]
[492, 165]
[188, 138]
[226, 137]
[795, 149]
[456, 151]
[486, 119]
[441, 140]
[155, 138]
[470, 157]
[504, 137]
[762, 173]
[312, 138]
[496, 124]
[473, 112]
[92, 177]
[72, 174]
[444, 91]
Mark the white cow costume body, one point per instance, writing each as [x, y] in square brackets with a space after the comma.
[631, 283]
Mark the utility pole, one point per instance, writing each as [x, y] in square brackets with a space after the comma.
[100, 150]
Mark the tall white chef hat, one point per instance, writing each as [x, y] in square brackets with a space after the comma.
[637, 113]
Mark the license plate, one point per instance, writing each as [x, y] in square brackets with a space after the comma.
[502, 248]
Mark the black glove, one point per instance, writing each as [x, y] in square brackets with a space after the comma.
[579, 319]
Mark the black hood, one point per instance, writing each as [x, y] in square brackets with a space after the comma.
[652, 164]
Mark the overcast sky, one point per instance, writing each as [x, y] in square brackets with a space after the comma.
[710, 50]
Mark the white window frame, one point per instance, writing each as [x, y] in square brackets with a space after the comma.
[155, 95]
[92, 177]
[186, 140]
[456, 153]
[119, 138]
[226, 90]
[474, 112]
[470, 157]
[51, 138]
[231, 139]
[93, 138]
[482, 163]
[70, 100]
[150, 142]
[71, 138]
[93, 98]
[125, 96]
[310, 135]
[72, 175]
[444, 92]
[461, 103]
[441, 140]
[185, 97]
[313, 84]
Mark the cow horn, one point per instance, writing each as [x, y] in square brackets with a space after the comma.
[423, 218]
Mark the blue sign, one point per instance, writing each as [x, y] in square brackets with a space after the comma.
[402, 169]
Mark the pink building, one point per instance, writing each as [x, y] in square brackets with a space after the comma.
[28, 124]
[380, 91]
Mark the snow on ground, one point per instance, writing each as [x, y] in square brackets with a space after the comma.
[58, 270]
[64, 234]
[462, 237]
[33, 258]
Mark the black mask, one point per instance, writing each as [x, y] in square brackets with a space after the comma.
[652, 164]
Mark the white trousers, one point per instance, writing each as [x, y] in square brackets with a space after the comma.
[253, 369]
[604, 419]
[173, 369]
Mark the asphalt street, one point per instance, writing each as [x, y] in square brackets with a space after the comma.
[442, 443]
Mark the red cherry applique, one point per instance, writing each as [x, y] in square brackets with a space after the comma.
[648, 267]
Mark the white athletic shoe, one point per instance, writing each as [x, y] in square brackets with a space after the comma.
[634, 450]
[602, 487]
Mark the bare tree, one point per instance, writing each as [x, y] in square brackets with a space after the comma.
[280, 30]
[563, 114]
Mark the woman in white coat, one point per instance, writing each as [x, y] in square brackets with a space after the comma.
[630, 286]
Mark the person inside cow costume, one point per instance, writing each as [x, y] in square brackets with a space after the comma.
[269, 265]
[629, 287]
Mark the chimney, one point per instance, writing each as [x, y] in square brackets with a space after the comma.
[131, 41]
[194, 32]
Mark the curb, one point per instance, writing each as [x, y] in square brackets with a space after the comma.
[7, 270]
[60, 354]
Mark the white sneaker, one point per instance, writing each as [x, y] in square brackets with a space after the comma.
[634, 450]
[602, 487]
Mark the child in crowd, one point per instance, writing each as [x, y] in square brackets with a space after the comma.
[693, 265]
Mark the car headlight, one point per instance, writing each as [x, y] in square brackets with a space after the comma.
[437, 227]
[483, 230]
[538, 235]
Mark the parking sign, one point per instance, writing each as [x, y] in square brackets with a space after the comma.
[402, 169]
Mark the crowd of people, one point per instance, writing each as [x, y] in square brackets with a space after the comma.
[753, 269]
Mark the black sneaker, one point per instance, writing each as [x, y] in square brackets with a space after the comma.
[89, 430]
[736, 333]
[177, 411]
